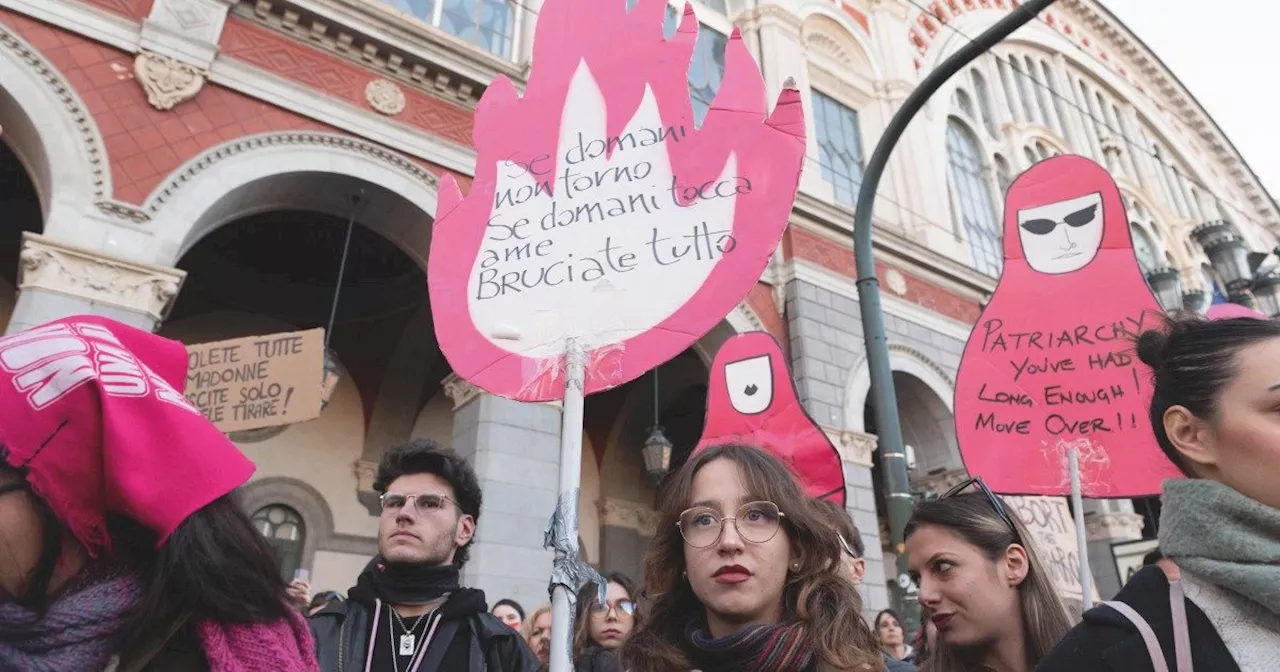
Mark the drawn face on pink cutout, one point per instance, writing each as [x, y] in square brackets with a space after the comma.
[1049, 367]
[751, 399]
[1064, 236]
[750, 384]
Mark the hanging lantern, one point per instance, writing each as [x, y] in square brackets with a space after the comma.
[1167, 284]
[657, 453]
[1195, 301]
[330, 377]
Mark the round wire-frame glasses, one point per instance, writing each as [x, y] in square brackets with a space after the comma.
[756, 522]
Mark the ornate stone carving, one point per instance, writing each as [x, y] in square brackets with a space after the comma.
[895, 282]
[1113, 526]
[854, 447]
[384, 96]
[166, 81]
[919, 356]
[365, 471]
[459, 390]
[124, 211]
[85, 126]
[54, 267]
[629, 515]
[275, 140]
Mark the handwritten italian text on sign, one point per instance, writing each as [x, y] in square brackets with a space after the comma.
[257, 381]
[600, 212]
[1050, 366]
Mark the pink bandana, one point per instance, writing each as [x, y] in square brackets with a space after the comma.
[92, 409]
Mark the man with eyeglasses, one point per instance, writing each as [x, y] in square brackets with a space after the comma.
[407, 611]
[855, 565]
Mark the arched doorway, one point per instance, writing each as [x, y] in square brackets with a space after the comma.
[20, 205]
[618, 422]
[264, 259]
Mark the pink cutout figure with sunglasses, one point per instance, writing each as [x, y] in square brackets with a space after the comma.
[1050, 365]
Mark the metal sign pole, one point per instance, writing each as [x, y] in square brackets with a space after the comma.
[563, 534]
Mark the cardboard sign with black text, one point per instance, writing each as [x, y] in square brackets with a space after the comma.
[257, 381]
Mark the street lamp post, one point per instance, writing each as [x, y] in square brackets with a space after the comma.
[889, 445]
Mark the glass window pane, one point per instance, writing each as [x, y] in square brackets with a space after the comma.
[977, 211]
[839, 146]
[285, 533]
[421, 9]
[705, 71]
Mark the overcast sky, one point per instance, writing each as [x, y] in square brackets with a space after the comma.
[1226, 53]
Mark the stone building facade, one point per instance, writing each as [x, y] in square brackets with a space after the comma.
[190, 166]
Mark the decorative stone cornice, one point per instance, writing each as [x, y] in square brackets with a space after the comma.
[53, 266]
[854, 447]
[167, 81]
[1113, 526]
[366, 150]
[629, 515]
[382, 39]
[754, 18]
[938, 484]
[459, 391]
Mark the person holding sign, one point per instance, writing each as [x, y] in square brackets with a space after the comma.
[122, 545]
[983, 583]
[739, 576]
[1213, 602]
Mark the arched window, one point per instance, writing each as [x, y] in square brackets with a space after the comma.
[706, 69]
[1051, 79]
[285, 532]
[984, 104]
[1004, 176]
[1031, 156]
[1144, 249]
[839, 146]
[976, 211]
[965, 103]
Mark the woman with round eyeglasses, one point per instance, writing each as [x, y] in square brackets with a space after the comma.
[739, 576]
[602, 626]
[982, 583]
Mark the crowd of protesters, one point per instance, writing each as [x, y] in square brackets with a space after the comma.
[123, 548]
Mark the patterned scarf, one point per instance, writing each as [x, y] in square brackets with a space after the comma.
[759, 648]
[80, 631]
[77, 631]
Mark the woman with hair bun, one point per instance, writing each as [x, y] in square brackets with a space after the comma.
[1213, 601]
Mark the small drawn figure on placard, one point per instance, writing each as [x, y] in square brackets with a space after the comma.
[752, 399]
[1050, 365]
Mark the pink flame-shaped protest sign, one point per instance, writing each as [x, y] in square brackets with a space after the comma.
[599, 213]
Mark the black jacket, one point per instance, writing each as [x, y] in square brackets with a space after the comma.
[1106, 641]
[486, 644]
[597, 659]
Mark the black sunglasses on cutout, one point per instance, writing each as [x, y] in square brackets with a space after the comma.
[991, 499]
